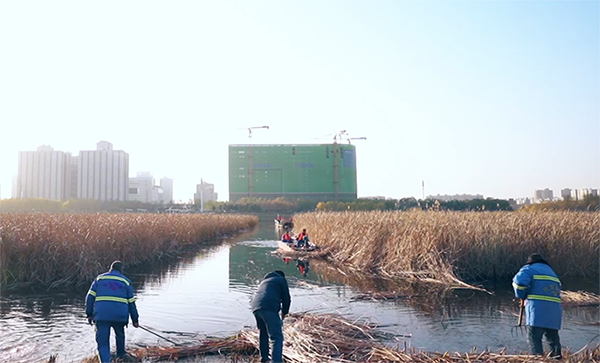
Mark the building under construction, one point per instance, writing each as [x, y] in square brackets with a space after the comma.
[319, 172]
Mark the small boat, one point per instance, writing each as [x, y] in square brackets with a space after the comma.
[291, 247]
[283, 224]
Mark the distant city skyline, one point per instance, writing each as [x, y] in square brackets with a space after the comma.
[53, 174]
[497, 98]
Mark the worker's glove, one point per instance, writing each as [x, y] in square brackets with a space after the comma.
[90, 320]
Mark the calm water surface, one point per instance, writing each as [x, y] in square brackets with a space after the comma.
[208, 294]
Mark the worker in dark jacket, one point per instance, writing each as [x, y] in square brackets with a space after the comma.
[540, 287]
[109, 304]
[272, 296]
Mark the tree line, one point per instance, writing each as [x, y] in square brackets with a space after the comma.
[589, 203]
[488, 204]
[284, 205]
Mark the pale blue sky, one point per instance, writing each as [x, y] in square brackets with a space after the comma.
[493, 98]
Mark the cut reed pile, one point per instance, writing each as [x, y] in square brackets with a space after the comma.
[331, 338]
[452, 247]
[308, 338]
[71, 249]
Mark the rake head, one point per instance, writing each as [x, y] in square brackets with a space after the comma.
[519, 327]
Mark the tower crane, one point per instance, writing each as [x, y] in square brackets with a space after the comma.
[250, 162]
[253, 128]
[342, 135]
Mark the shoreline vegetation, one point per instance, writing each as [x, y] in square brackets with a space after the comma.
[318, 338]
[454, 249]
[54, 250]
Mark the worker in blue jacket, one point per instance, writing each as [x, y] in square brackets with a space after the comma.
[539, 286]
[109, 304]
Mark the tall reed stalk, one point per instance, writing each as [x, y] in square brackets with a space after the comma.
[71, 249]
[451, 247]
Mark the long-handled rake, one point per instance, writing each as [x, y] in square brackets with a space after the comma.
[158, 335]
[519, 327]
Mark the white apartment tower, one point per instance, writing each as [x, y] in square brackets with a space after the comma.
[103, 174]
[14, 193]
[543, 195]
[205, 192]
[74, 175]
[167, 186]
[44, 174]
[142, 189]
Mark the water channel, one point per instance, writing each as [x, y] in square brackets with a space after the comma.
[208, 294]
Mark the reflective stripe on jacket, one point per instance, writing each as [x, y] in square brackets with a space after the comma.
[540, 286]
[110, 298]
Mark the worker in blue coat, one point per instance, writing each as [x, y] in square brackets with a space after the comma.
[109, 304]
[539, 286]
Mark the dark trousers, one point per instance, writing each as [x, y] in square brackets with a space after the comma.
[103, 339]
[535, 335]
[269, 328]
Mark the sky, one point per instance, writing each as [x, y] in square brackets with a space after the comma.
[497, 98]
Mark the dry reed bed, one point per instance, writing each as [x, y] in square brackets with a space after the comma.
[71, 249]
[331, 338]
[579, 298]
[451, 247]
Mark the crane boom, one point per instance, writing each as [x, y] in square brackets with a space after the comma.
[250, 162]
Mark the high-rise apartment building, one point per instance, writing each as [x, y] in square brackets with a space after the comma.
[167, 186]
[13, 192]
[44, 173]
[142, 189]
[543, 195]
[103, 174]
[574, 194]
[73, 175]
[582, 193]
[205, 192]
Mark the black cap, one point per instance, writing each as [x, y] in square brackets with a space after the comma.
[279, 272]
[536, 257]
[116, 265]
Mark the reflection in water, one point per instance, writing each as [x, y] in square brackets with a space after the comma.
[208, 293]
[303, 265]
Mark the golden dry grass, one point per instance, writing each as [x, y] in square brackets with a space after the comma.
[56, 249]
[451, 247]
[579, 298]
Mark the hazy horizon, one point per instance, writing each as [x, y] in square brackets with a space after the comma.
[494, 98]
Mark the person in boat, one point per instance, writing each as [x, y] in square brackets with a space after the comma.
[286, 238]
[303, 239]
[272, 296]
[109, 303]
[539, 286]
[278, 219]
